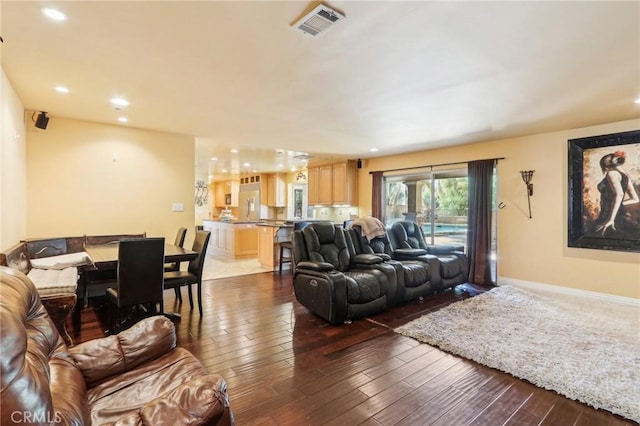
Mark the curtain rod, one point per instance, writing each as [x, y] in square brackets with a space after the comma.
[433, 165]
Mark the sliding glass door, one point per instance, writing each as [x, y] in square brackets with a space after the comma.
[436, 200]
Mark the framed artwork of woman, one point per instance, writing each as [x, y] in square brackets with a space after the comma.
[604, 188]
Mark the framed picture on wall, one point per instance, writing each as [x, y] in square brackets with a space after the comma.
[604, 188]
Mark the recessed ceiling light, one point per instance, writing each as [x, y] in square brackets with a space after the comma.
[254, 171]
[234, 151]
[224, 170]
[214, 158]
[120, 102]
[123, 119]
[293, 169]
[54, 14]
[246, 164]
[637, 101]
[374, 150]
[62, 89]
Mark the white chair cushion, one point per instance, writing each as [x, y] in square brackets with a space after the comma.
[53, 281]
[62, 261]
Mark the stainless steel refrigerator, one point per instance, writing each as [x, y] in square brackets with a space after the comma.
[249, 205]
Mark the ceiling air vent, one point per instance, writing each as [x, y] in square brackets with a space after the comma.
[320, 19]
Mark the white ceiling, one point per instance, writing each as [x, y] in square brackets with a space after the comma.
[396, 76]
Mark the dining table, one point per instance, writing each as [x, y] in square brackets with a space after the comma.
[104, 257]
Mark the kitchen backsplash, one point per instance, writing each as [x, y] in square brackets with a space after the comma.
[335, 214]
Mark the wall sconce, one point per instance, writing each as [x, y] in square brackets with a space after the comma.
[527, 175]
[202, 193]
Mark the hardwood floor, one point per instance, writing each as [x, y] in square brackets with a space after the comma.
[284, 366]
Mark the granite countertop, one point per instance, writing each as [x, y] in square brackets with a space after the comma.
[275, 224]
[234, 221]
[288, 223]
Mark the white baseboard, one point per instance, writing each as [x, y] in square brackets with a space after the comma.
[530, 285]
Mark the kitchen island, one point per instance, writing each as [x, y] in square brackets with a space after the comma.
[269, 236]
[233, 239]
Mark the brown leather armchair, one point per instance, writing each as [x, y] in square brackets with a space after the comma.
[136, 377]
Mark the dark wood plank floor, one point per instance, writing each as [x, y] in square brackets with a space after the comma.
[284, 366]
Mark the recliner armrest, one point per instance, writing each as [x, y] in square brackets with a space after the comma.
[146, 340]
[315, 266]
[444, 249]
[365, 259]
[385, 257]
[409, 253]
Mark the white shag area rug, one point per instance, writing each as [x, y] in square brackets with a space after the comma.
[586, 350]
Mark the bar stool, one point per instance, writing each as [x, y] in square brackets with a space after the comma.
[288, 245]
[285, 259]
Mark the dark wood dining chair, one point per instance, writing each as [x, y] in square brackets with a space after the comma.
[175, 266]
[193, 274]
[140, 276]
[102, 279]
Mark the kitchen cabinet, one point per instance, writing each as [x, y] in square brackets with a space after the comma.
[313, 183]
[276, 190]
[245, 241]
[267, 246]
[232, 240]
[325, 196]
[333, 184]
[319, 185]
[226, 193]
[345, 179]
[269, 237]
[219, 194]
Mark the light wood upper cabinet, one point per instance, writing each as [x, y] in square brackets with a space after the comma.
[345, 183]
[276, 190]
[219, 194]
[313, 184]
[226, 193]
[325, 195]
[233, 188]
[333, 184]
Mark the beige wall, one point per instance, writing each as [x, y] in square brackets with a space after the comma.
[533, 250]
[13, 166]
[90, 178]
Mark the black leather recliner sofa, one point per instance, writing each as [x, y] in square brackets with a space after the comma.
[334, 284]
[340, 275]
[415, 277]
[407, 243]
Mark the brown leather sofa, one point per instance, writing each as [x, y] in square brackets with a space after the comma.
[136, 377]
